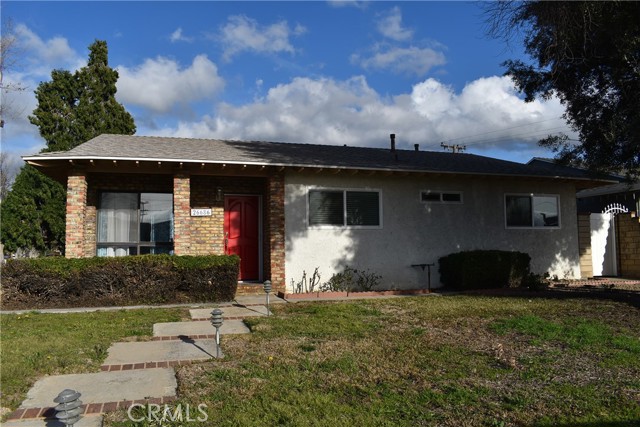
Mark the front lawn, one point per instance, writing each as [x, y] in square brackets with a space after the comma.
[441, 361]
[36, 344]
[450, 361]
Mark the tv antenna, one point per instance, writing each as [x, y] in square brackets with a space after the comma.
[455, 148]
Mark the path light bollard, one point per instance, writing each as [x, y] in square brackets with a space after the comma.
[216, 321]
[69, 408]
[267, 289]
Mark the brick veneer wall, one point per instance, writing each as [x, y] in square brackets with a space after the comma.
[276, 231]
[182, 215]
[584, 245]
[208, 231]
[628, 226]
[76, 214]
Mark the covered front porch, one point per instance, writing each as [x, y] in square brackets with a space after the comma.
[215, 210]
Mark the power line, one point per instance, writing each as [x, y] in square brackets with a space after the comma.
[502, 130]
[529, 134]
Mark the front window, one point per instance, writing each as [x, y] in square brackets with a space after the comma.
[532, 211]
[344, 208]
[135, 224]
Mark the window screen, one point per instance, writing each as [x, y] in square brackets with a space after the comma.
[340, 208]
[326, 207]
[363, 208]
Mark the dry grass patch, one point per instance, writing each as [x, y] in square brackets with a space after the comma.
[450, 361]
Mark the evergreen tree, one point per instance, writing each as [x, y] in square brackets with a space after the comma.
[72, 108]
[31, 216]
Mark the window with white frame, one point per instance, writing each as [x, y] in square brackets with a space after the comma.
[340, 208]
[135, 224]
[532, 211]
[430, 196]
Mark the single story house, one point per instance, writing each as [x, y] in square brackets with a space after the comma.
[290, 208]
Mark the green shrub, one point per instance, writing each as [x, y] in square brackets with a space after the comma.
[484, 269]
[145, 279]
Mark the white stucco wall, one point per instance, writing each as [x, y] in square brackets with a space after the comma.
[414, 232]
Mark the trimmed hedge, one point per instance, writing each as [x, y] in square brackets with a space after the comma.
[131, 280]
[484, 269]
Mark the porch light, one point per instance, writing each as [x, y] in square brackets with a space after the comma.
[267, 290]
[216, 321]
[69, 408]
[218, 194]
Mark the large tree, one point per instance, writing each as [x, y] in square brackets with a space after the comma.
[588, 55]
[72, 108]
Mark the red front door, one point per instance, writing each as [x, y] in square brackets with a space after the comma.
[242, 233]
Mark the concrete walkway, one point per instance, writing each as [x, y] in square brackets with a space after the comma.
[202, 329]
[241, 300]
[138, 372]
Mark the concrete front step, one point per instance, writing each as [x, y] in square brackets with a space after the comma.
[100, 392]
[202, 329]
[138, 355]
[247, 300]
[230, 312]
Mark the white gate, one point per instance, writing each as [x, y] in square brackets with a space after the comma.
[603, 240]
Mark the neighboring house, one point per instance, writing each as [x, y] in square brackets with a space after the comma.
[290, 208]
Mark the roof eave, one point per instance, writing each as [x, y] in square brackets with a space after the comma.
[582, 182]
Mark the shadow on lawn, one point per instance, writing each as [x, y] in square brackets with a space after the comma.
[629, 297]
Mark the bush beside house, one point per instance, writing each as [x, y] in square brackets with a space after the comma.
[146, 279]
[484, 269]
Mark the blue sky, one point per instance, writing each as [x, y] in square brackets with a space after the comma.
[309, 72]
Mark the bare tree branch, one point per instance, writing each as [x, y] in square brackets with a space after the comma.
[10, 56]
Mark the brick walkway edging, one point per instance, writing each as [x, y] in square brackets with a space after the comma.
[147, 365]
[89, 409]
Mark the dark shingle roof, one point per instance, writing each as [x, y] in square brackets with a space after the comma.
[302, 155]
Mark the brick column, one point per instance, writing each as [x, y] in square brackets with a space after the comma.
[628, 225]
[76, 209]
[182, 214]
[584, 245]
[276, 231]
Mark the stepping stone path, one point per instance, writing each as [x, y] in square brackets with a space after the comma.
[138, 372]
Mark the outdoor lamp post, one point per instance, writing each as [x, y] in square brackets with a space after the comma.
[69, 409]
[267, 289]
[216, 321]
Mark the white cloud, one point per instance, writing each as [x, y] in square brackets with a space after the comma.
[46, 55]
[160, 84]
[390, 26]
[326, 111]
[177, 36]
[410, 60]
[348, 3]
[35, 59]
[241, 33]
